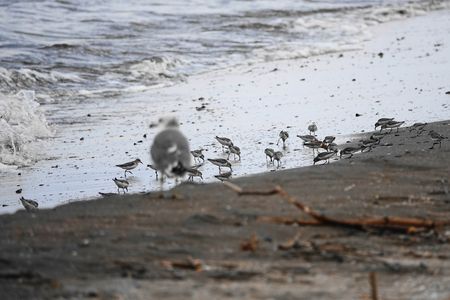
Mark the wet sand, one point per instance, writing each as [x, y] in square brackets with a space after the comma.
[191, 243]
[249, 104]
[147, 246]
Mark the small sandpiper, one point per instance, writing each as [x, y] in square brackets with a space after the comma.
[121, 184]
[377, 136]
[283, 135]
[368, 144]
[225, 142]
[307, 138]
[391, 125]
[329, 139]
[418, 127]
[193, 172]
[235, 150]
[436, 137]
[197, 154]
[129, 166]
[277, 156]
[221, 162]
[332, 147]
[324, 156]
[269, 153]
[327, 142]
[314, 144]
[223, 176]
[154, 169]
[383, 121]
[349, 151]
[312, 128]
[30, 205]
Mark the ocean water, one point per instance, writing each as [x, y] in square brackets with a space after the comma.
[68, 51]
[63, 61]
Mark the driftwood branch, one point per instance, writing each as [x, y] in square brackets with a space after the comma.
[389, 222]
[288, 221]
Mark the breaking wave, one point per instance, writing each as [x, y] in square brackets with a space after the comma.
[23, 127]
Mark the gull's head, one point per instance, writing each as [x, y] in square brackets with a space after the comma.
[168, 122]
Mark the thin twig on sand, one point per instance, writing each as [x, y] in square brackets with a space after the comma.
[373, 286]
[190, 264]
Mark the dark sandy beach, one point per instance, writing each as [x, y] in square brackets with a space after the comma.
[196, 243]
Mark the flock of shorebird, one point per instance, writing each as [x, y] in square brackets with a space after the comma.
[172, 157]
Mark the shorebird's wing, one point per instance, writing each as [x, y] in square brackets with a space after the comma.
[107, 194]
[125, 165]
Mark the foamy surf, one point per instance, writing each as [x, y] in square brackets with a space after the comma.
[23, 127]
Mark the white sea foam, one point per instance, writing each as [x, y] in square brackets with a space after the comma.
[22, 127]
[153, 68]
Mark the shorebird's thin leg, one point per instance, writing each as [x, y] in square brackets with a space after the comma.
[161, 182]
[125, 189]
[156, 172]
[118, 191]
[278, 141]
[125, 174]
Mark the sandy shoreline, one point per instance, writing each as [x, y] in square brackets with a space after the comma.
[138, 246]
[121, 247]
[250, 104]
